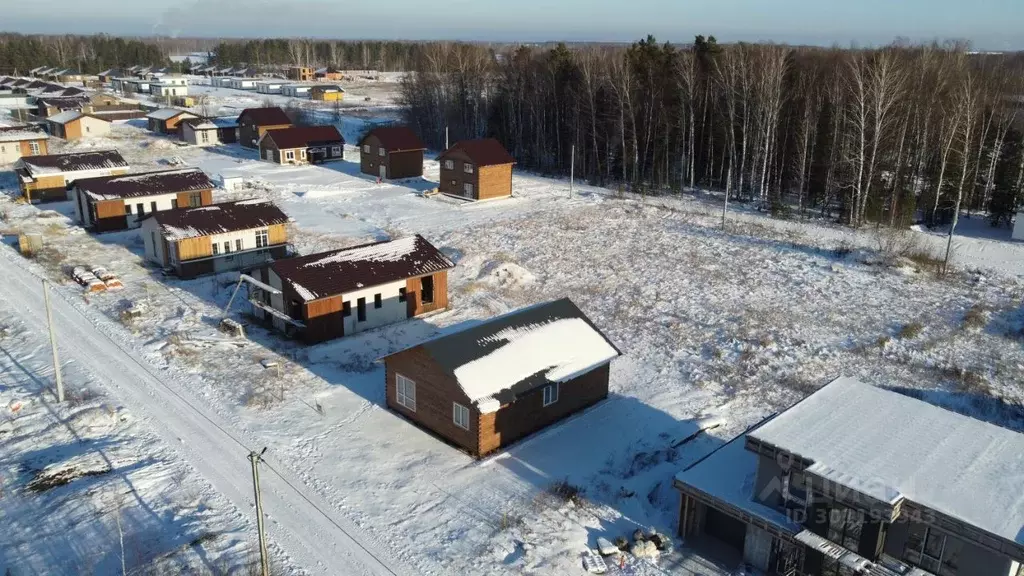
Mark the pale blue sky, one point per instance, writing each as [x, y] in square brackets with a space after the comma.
[989, 24]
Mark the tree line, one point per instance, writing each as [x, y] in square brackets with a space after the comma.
[362, 55]
[90, 54]
[879, 135]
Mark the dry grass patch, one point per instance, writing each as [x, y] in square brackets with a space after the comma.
[910, 331]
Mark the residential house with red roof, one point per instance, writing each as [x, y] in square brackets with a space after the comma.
[254, 122]
[120, 202]
[391, 152]
[476, 170]
[302, 145]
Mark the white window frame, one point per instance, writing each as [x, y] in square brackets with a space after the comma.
[551, 392]
[289, 155]
[262, 238]
[449, 165]
[467, 168]
[33, 147]
[335, 150]
[467, 188]
[302, 153]
[460, 415]
[381, 152]
[366, 148]
[405, 392]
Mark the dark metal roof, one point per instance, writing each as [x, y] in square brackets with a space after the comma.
[265, 116]
[303, 136]
[339, 271]
[396, 138]
[219, 218]
[146, 183]
[454, 350]
[483, 152]
[93, 160]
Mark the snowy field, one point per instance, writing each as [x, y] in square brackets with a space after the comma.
[718, 330]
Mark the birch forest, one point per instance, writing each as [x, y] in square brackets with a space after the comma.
[890, 135]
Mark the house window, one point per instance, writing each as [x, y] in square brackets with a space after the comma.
[427, 289]
[195, 200]
[361, 310]
[174, 203]
[34, 147]
[140, 209]
[467, 168]
[227, 247]
[152, 206]
[449, 165]
[262, 238]
[401, 294]
[216, 248]
[88, 129]
[204, 136]
[366, 148]
[844, 526]
[551, 394]
[127, 208]
[335, 150]
[378, 302]
[346, 309]
[460, 415]
[405, 392]
[302, 154]
[238, 245]
[381, 152]
[929, 549]
[467, 188]
[289, 155]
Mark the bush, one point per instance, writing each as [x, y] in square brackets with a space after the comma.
[976, 318]
[911, 331]
[567, 492]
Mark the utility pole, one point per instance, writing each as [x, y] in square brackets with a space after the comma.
[264, 560]
[53, 342]
[572, 168]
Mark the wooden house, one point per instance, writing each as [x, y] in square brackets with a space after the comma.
[342, 292]
[209, 131]
[391, 152]
[329, 74]
[51, 106]
[119, 202]
[489, 385]
[302, 145]
[217, 238]
[476, 170]
[166, 120]
[254, 122]
[46, 178]
[300, 73]
[74, 125]
[20, 141]
[327, 93]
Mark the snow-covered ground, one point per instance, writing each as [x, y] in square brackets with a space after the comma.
[717, 329]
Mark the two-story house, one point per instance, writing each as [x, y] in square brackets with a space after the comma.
[253, 123]
[856, 479]
[476, 170]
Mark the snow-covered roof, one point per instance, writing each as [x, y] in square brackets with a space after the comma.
[180, 223]
[504, 357]
[65, 117]
[893, 447]
[166, 113]
[19, 133]
[72, 162]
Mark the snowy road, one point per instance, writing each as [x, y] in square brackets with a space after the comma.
[305, 533]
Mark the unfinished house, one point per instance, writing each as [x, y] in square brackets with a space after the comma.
[856, 479]
[490, 385]
[217, 238]
[342, 292]
[46, 178]
[120, 202]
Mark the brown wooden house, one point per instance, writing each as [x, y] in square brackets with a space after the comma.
[166, 120]
[302, 145]
[342, 292]
[494, 383]
[391, 152]
[20, 141]
[254, 122]
[74, 125]
[300, 73]
[476, 170]
[46, 178]
[120, 202]
[238, 235]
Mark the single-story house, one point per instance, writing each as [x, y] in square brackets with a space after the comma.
[47, 107]
[253, 123]
[163, 90]
[391, 152]
[109, 74]
[269, 86]
[20, 141]
[119, 202]
[476, 170]
[296, 90]
[327, 93]
[46, 178]
[221, 81]
[484, 387]
[242, 84]
[302, 145]
[216, 238]
[73, 125]
[857, 479]
[341, 292]
[209, 131]
[165, 120]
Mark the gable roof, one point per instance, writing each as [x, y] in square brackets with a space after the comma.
[893, 447]
[72, 162]
[302, 136]
[145, 184]
[396, 138]
[182, 223]
[338, 271]
[167, 113]
[483, 152]
[265, 116]
[72, 115]
[201, 123]
[501, 358]
[64, 103]
[20, 133]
